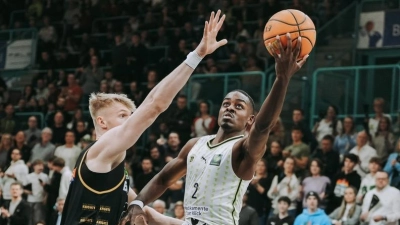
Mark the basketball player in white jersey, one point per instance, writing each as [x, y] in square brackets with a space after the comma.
[220, 167]
[118, 126]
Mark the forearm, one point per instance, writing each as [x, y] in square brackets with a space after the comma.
[272, 106]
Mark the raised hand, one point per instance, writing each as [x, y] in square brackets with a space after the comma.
[286, 64]
[209, 41]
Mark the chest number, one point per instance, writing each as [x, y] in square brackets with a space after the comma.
[196, 185]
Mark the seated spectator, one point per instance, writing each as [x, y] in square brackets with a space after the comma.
[160, 206]
[277, 133]
[41, 90]
[179, 211]
[17, 210]
[80, 131]
[316, 183]
[78, 116]
[298, 120]
[364, 153]
[47, 34]
[248, 215]
[347, 139]
[69, 151]
[373, 122]
[33, 186]
[257, 191]
[58, 129]
[328, 125]
[172, 147]
[383, 140]
[108, 79]
[19, 143]
[382, 204]
[144, 177]
[156, 158]
[344, 179]
[312, 214]
[66, 174]
[328, 156]
[17, 171]
[44, 149]
[33, 133]
[73, 94]
[282, 217]
[285, 184]
[135, 94]
[57, 214]
[204, 124]
[349, 212]
[298, 150]
[91, 78]
[6, 147]
[274, 158]
[52, 188]
[9, 123]
[392, 167]
[368, 182]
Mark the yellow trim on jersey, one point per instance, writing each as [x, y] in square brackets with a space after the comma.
[223, 142]
[91, 189]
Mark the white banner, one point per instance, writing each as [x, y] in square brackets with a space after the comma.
[371, 28]
[19, 54]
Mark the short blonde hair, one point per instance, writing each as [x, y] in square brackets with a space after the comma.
[99, 101]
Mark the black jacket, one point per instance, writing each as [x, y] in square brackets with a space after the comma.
[21, 215]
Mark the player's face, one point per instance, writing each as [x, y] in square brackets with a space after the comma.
[349, 195]
[115, 115]
[235, 112]
[312, 202]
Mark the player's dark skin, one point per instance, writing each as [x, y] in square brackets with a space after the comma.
[235, 116]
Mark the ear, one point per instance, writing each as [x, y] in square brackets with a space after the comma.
[101, 122]
[250, 121]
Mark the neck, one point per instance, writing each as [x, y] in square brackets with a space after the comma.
[379, 115]
[315, 175]
[222, 135]
[372, 173]
[14, 199]
[312, 210]
[283, 214]
[347, 171]
[70, 145]
[347, 131]
[20, 144]
[147, 171]
[296, 142]
[288, 174]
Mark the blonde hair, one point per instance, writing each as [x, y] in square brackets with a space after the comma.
[99, 101]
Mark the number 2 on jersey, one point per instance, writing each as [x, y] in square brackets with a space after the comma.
[196, 185]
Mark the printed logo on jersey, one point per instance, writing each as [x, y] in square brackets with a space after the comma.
[191, 158]
[216, 160]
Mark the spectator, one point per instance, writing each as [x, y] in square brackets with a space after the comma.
[172, 148]
[298, 120]
[257, 192]
[143, 178]
[44, 149]
[274, 158]
[179, 211]
[47, 34]
[135, 94]
[382, 203]
[80, 131]
[16, 211]
[283, 217]
[204, 124]
[373, 123]
[108, 79]
[73, 94]
[298, 150]
[179, 118]
[160, 206]
[17, 171]
[52, 189]
[277, 133]
[243, 48]
[345, 178]
[312, 214]
[137, 56]
[234, 63]
[41, 90]
[78, 116]
[328, 156]
[66, 174]
[33, 133]
[347, 139]
[392, 167]
[316, 183]
[57, 214]
[20, 144]
[152, 81]
[36, 195]
[9, 124]
[349, 212]
[71, 12]
[58, 129]
[368, 182]
[69, 151]
[383, 140]
[5, 149]
[329, 124]
[119, 54]
[285, 184]
[248, 215]
[364, 153]
[91, 78]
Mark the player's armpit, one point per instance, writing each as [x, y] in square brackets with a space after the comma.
[171, 172]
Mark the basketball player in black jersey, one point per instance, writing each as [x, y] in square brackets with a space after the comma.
[99, 190]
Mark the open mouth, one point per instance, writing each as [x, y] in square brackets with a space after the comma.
[228, 115]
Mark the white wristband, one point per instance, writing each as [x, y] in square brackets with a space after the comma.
[138, 203]
[193, 59]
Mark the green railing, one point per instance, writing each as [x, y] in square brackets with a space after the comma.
[349, 89]
[221, 83]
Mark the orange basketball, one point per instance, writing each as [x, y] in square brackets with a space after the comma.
[294, 22]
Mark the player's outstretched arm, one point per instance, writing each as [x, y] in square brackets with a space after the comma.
[171, 172]
[159, 99]
[286, 66]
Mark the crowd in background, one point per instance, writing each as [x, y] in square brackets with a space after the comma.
[333, 166]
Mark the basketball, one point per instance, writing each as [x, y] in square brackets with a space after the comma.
[294, 22]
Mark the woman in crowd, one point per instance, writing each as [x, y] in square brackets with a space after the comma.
[328, 125]
[383, 140]
[347, 140]
[274, 158]
[349, 212]
[204, 123]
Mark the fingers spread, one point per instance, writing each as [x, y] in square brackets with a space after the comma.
[211, 21]
[289, 43]
[303, 60]
[221, 22]
[216, 18]
[222, 42]
[273, 51]
[296, 52]
[205, 29]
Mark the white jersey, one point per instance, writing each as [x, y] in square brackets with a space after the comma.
[213, 193]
